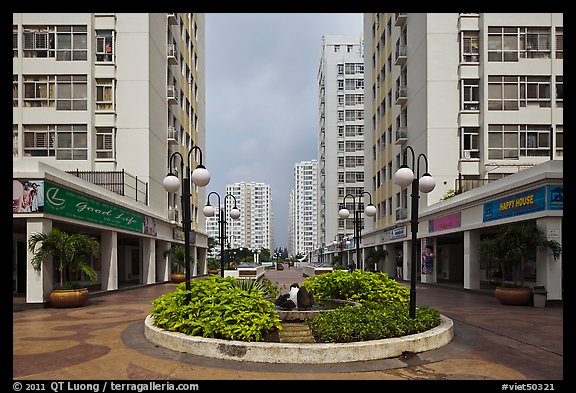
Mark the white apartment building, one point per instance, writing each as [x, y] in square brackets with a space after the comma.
[341, 134]
[481, 97]
[303, 216]
[213, 231]
[100, 103]
[254, 228]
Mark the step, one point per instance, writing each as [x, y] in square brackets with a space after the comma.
[296, 333]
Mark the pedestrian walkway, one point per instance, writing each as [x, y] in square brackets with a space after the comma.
[104, 340]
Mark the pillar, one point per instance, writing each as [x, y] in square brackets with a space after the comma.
[148, 260]
[548, 269]
[471, 259]
[39, 284]
[109, 260]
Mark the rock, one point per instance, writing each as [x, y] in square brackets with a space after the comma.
[305, 299]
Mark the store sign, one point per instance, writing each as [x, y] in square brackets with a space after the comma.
[449, 221]
[515, 205]
[397, 233]
[62, 201]
[555, 197]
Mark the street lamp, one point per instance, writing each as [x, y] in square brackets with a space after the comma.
[234, 214]
[171, 183]
[370, 211]
[403, 177]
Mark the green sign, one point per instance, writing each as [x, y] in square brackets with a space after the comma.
[65, 202]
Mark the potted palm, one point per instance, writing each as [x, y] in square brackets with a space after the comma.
[178, 259]
[213, 266]
[511, 246]
[70, 253]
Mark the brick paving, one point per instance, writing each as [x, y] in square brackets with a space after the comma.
[104, 340]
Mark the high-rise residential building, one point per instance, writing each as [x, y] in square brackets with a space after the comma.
[100, 103]
[254, 228]
[479, 99]
[341, 133]
[213, 231]
[302, 220]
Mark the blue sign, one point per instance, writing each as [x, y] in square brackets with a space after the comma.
[515, 205]
[555, 197]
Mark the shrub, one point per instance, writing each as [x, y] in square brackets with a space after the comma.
[215, 307]
[358, 286]
[371, 321]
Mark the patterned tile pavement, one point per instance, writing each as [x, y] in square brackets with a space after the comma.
[104, 340]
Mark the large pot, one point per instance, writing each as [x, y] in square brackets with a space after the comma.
[64, 298]
[177, 278]
[514, 296]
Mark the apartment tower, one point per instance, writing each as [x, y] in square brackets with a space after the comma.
[303, 216]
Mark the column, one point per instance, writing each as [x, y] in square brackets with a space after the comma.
[39, 284]
[163, 269]
[407, 263]
[109, 260]
[548, 269]
[471, 259]
[148, 260]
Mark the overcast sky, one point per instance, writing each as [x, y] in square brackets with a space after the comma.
[262, 98]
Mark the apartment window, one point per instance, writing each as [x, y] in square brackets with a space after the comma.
[14, 91]
[390, 171]
[535, 91]
[340, 100]
[470, 99]
[14, 41]
[336, 48]
[341, 130]
[559, 42]
[38, 41]
[105, 45]
[349, 48]
[105, 142]
[39, 91]
[340, 84]
[510, 141]
[469, 47]
[340, 68]
[340, 177]
[502, 93]
[72, 92]
[65, 142]
[470, 145]
[340, 146]
[511, 43]
[559, 91]
[389, 204]
[560, 140]
[104, 94]
[71, 43]
[535, 42]
[340, 115]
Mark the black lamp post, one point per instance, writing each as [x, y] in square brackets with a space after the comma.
[234, 213]
[201, 177]
[370, 211]
[403, 177]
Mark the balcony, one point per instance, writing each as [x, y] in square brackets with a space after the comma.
[401, 135]
[171, 54]
[173, 216]
[401, 95]
[172, 95]
[400, 18]
[401, 213]
[172, 19]
[400, 55]
[172, 135]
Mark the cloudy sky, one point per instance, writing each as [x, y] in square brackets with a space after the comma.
[262, 98]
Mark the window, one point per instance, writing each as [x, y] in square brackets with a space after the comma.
[470, 99]
[105, 45]
[105, 142]
[14, 140]
[535, 91]
[340, 100]
[512, 43]
[336, 48]
[560, 140]
[104, 94]
[349, 48]
[340, 68]
[535, 42]
[559, 91]
[559, 42]
[14, 91]
[66, 142]
[39, 91]
[340, 84]
[38, 41]
[72, 92]
[14, 41]
[469, 48]
[502, 93]
[340, 115]
[71, 43]
[514, 141]
[469, 138]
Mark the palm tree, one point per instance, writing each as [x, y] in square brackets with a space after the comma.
[178, 257]
[69, 251]
[514, 244]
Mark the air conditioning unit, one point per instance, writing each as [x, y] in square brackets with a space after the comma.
[466, 154]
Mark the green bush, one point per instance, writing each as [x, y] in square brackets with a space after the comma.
[358, 286]
[215, 307]
[371, 321]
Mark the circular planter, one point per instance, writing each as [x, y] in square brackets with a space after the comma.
[65, 298]
[178, 278]
[514, 296]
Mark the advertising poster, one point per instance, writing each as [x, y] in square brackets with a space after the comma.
[27, 196]
[427, 256]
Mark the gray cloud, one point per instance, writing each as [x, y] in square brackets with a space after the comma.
[262, 98]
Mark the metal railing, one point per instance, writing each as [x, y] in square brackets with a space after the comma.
[120, 182]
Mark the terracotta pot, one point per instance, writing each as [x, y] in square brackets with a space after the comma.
[177, 278]
[65, 298]
[213, 271]
[514, 296]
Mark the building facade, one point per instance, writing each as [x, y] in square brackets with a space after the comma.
[302, 220]
[254, 228]
[341, 134]
[100, 103]
[481, 97]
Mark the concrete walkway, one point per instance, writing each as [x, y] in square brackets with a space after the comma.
[104, 340]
